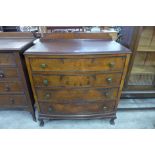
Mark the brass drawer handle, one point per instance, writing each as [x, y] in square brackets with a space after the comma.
[1, 75]
[43, 66]
[109, 80]
[47, 96]
[111, 64]
[107, 94]
[7, 88]
[105, 108]
[45, 82]
[50, 109]
[12, 101]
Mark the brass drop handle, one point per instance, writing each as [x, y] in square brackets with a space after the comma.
[109, 79]
[107, 94]
[43, 66]
[111, 64]
[7, 88]
[105, 108]
[12, 101]
[47, 96]
[1, 75]
[45, 82]
[50, 109]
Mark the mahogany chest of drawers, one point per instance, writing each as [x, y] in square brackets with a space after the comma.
[15, 90]
[77, 78]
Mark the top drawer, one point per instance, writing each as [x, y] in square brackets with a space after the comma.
[7, 59]
[78, 64]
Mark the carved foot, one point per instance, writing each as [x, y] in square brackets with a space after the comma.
[112, 121]
[41, 123]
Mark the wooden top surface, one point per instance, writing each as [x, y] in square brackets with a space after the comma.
[76, 46]
[14, 44]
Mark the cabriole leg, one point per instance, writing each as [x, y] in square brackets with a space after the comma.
[41, 122]
[112, 121]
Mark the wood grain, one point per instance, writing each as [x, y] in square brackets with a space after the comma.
[68, 85]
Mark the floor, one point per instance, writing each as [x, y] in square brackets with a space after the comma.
[138, 119]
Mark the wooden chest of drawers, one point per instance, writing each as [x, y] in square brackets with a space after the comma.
[77, 78]
[15, 89]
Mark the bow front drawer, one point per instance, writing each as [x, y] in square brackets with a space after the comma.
[72, 108]
[77, 95]
[76, 80]
[77, 64]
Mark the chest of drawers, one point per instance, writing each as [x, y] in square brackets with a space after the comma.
[77, 78]
[15, 89]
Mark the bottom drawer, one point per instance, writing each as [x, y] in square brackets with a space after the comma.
[12, 100]
[77, 108]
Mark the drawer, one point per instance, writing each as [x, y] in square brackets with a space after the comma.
[8, 73]
[76, 80]
[76, 95]
[72, 108]
[78, 64]
[11, 87]
[7, 59]
[12, 100]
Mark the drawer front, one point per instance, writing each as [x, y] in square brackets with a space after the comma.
[12, 100]
[78, 64]
[7, 59]
[8, 73]
[83, 80]
[71, 108]
[77, 95]
[10, 87]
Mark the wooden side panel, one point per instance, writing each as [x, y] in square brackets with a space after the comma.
[31, 80]
[83, 35]
[123, 78]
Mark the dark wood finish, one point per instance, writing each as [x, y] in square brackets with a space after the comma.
[141, 66]
[77, 78]
[15, 89]
[76, 47]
